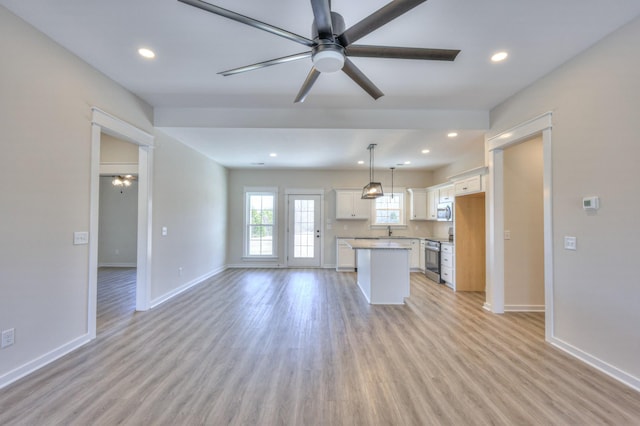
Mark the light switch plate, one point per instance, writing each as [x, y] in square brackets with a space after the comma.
[164, 231]
[570, 243]
[8, 337]
[80, 238]
[507, 235]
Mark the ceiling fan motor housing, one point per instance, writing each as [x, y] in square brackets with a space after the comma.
[328, 55]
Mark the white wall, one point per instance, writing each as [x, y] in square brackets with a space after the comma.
[190, 199]
[472, 159]
[524, 219]
[45, 117]
[317, 179]
[595, 99]
[118, 224]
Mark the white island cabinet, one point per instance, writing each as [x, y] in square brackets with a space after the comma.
[383, 270]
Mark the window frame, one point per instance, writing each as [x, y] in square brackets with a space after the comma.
[252, 191]
[403, 211]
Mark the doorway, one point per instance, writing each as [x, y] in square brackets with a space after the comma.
[304, 233]
[524, 227]
[103, 123]
[494, 149]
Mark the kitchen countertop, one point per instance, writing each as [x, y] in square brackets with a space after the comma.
[403, 237]
[376, 244]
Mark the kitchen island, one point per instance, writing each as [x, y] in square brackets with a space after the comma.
[383, 270]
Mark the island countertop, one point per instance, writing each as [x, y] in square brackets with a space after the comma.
[377, 244]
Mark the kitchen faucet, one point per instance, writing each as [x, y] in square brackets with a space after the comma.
[389, 230]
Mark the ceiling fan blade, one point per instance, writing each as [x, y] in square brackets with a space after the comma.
[356, 75]
[322, 15]
[401, 53]
[377, 19]
[265, 64]
[306, 86]
[249, 21]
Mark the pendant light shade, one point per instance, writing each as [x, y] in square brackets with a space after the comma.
[372, 189]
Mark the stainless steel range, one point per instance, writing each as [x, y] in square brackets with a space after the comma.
[432, 260]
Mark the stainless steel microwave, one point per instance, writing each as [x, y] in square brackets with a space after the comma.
[445, 212]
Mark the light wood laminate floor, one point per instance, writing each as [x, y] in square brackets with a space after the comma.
[302, 347]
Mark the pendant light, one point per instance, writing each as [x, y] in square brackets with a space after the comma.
[392, 169]
[372, 189]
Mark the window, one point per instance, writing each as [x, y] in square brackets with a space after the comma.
[388, 210]
[260, 222]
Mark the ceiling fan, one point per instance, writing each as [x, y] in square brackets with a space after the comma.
[332, 43]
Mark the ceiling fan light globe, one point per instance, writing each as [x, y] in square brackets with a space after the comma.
[328, 61]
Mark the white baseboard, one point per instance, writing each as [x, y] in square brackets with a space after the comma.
[41, 361]
[260, 265]
[608, 369]
[173, 293]
[524, 308]
[117, 265]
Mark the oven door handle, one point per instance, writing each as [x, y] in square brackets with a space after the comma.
[432, 249]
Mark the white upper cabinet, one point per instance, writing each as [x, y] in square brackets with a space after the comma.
[432, 204]
[350, 205]
[469, 185]
[447, 194]
[418, 204]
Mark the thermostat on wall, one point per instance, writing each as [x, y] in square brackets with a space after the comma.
[590, 203]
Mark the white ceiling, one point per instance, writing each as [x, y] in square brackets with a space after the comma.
[192, 46]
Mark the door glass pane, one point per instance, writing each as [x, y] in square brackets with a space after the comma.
[303, 229]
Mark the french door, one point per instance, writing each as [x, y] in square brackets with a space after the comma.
[304, 236]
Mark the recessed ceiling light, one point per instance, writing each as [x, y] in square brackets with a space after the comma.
[452, 134]
[425, 151]
[146, 53]
[407, 162]
[360, 162]
[273, 154]
[500, 56]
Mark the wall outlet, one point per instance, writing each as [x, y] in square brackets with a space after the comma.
[164, 231]
[507, 235]
[8, 337]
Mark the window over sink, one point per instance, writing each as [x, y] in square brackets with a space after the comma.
[389, 210]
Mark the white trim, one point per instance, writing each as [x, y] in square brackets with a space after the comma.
[494, 147]
[524, 308]
[101, 122]
[598, 364]
[173, 293]
[256, 266]
[120, 129]
[117, 265]
[483, 170]
[49, 357]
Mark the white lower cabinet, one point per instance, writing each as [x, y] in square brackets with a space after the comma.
[345, 256]
[414, 256]
[447, 262]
